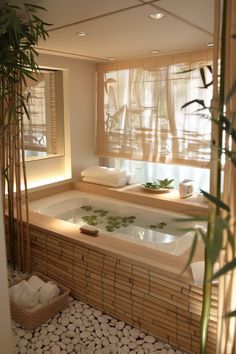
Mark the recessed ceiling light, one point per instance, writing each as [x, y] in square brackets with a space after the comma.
[82, 34]
[155, 51]
[157, 15]
[209, 44]
[110, 58]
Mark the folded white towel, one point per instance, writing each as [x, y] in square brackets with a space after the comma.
[103, 182]
[48, 292]
[35, 282]
[110, 175]
[22, 294]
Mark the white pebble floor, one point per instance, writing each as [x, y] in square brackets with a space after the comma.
[81, 328]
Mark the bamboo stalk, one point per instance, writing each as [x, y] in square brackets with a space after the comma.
[26, 231]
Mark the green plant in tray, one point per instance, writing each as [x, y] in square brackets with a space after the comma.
[160, 184]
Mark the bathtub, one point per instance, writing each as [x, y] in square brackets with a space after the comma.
[149, 227]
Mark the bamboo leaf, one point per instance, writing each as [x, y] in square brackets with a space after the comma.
[216, 201]
[226, 268]
[203, 77]
[231, 314]
[201, 102]
[209, 67]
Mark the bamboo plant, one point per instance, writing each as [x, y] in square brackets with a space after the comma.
[20, 30]
[219, 236]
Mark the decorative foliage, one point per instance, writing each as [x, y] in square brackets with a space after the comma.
[20, 31]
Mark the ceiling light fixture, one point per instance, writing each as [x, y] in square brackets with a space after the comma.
[111, 58]
[155, 51]
[209, 44]
[82, 34]
[157, 15]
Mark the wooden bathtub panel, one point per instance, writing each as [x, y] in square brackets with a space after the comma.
[164, 305]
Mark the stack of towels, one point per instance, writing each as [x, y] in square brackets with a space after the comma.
[105, 176]
[34, 293]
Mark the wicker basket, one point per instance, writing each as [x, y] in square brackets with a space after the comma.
[32, 319]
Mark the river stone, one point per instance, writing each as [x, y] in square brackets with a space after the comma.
[149, 339]
[65, 321]
[66, 340]
[97, 313]
[53, 337]
[164, 351]
[132, 345]
[28, 336]
[71, 327]
[55, 349]
[124, 340]
[22, 342]
[51, 328]
[120, 325]
[46, 341]
[39, 344]
[70, 334]
[69, 348]
[85, 334]
[134, 332]
[30, 351]
[141, 351]
[148, 346]
[113, 339]
[159, 345]
[98, 333]
[39, 351]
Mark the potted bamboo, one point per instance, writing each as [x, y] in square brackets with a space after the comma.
[20, 30]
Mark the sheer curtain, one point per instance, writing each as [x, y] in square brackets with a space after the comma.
[139, 109]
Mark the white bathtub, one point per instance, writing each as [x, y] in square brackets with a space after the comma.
[170, 239]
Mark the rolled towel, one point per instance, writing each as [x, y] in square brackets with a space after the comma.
[103, 182]
[35, 282]
[48, 292]
[110, 175]
[22, 294]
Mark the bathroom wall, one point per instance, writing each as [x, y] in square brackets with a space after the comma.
[79, 122]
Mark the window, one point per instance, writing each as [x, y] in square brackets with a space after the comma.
[44, 102]
[140, 115]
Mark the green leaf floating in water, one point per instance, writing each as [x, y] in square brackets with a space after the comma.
[99, 216]
[160, 225]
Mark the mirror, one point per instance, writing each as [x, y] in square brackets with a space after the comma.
[44, 123]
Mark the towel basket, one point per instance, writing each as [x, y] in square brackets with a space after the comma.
[34, 318]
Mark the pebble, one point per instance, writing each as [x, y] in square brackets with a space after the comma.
[120, 325]
[82, 329]
[149, 339]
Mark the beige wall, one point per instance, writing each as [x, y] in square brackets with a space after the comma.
[5, 327]
[79, 113]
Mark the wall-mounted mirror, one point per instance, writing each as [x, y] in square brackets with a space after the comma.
[44, 124]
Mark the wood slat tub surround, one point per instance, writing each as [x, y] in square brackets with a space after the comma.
[157, 301]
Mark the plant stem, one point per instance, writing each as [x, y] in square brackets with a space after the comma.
[207, 288]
